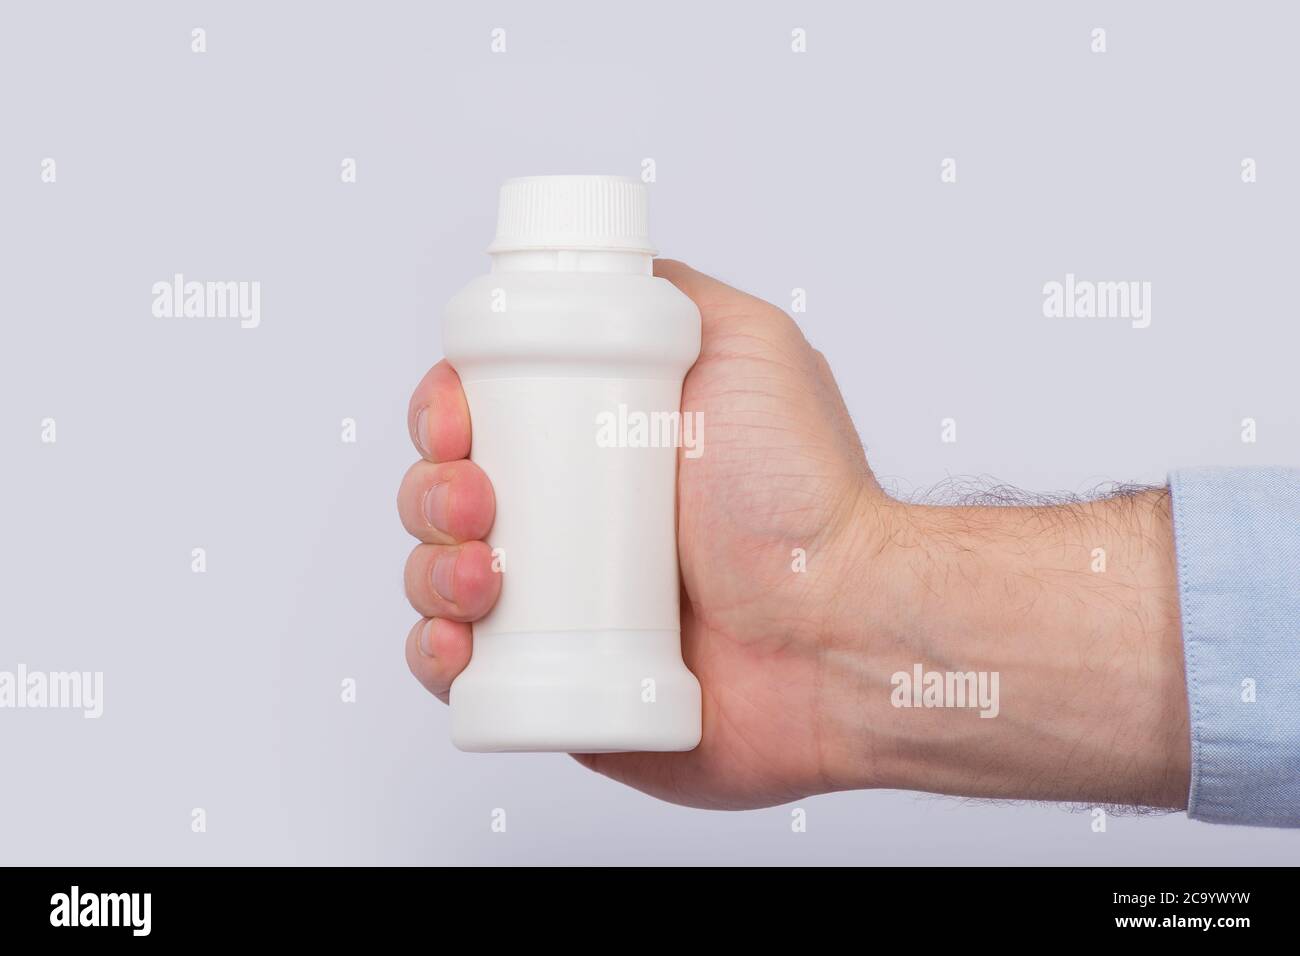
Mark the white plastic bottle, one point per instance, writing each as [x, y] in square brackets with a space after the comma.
[570, 334]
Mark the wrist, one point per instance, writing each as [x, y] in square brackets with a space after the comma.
[1067, 614]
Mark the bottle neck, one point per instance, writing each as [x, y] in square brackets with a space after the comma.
[573, 260]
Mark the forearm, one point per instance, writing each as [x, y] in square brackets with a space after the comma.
[1085, 644]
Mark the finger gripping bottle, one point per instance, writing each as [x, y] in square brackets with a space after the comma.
[566, 349]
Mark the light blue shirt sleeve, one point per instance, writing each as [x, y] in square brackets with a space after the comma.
[1237, 535]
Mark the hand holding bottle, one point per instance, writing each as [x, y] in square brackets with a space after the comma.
[796, 666]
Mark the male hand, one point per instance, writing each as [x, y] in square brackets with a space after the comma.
[795, 649]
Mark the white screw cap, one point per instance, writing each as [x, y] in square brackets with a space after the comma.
[573, 212]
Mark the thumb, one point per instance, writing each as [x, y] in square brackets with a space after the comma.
[735, 323]
[718, 302]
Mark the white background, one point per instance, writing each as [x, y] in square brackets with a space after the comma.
[774, 170]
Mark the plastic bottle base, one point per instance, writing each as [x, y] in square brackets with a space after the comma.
[576, 692]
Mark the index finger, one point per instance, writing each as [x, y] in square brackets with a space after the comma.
[438, 416]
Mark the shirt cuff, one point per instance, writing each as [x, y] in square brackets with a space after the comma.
[1237, 535]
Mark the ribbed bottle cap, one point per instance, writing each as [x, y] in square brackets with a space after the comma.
[572, 212]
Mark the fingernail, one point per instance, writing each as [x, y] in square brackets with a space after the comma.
[425, 640]
[421, 420]
[444, 573]
[435, 505]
